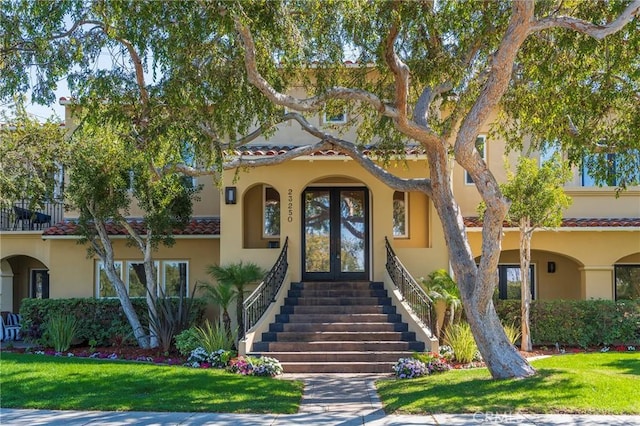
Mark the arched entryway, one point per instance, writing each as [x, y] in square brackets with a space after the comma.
[335, 232]
[22, 277]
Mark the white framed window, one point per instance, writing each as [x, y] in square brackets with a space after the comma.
[336, 118]
[481, 146]
[270, 212]
[175, 277]
[104, 288]
[136, 279]
[172, 275]
[400, 214]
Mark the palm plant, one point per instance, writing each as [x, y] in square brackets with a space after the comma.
[440, 286]
[238, 275]
[222, 295]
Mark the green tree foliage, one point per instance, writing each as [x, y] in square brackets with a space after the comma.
[238, 275]
[441, 286]
[31, 154]
[426, 73]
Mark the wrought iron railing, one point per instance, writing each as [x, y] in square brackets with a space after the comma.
[414, 296]
[22, 217]
[257, 303]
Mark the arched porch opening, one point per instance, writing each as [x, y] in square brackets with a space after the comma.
[22, 277]
[553, 276]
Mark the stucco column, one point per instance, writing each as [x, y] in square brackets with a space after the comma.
[597, 282]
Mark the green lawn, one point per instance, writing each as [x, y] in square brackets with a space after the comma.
[599, 383]
[45, 382]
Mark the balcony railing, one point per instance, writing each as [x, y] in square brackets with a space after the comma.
[257, 303]
[20, 217]
[414, 296]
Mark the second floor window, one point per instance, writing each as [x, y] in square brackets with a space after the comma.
[271, 212]
[400, 214]
[608, 169]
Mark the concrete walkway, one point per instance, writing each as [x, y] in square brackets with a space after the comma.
[341, 400]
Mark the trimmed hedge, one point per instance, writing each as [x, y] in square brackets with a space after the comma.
[102, 320]
[580, 323]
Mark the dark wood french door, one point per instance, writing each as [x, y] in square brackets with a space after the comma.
[335, 233]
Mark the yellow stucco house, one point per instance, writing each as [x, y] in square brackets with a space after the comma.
[335, 217]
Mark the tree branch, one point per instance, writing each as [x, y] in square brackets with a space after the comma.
[593, 30]
[314, 103]
[326, 141]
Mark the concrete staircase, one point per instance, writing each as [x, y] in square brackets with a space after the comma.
[337, 327]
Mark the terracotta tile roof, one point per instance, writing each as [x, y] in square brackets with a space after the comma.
[573, 222]
[270, 150]
[197, 226]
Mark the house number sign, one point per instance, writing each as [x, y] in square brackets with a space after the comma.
[290, 205]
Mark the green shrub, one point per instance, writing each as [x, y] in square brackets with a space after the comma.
[212, 338]
[101, 320]
[187, 341]
[578, 322]
[60, 331]
[460, 339]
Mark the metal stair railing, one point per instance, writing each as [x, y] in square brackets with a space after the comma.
[414, 296]
[257, 303]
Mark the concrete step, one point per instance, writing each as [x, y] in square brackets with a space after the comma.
[337, 301]
[337, 309]
[339, 336]
[364, 327]
[338, 367]
[354, 285]
[349, 346]
[339, 356]
[342, 292]
[302, 317]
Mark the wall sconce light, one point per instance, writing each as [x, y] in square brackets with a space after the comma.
[551, 267]
[230, 195]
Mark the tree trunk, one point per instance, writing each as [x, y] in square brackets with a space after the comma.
[477, 284]
[240, 311]
[106, 256]
[152, 291]
[226, 320]
[525, 261]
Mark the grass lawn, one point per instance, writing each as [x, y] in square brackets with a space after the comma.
[46, 382]
[599, 383]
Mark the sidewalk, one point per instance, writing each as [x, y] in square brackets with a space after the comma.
[341, 400]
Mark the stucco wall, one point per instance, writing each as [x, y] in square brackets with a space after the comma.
[291, 178]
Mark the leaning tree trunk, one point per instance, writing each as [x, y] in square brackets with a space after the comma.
[477, 284]
[106, 256]
[525, 261]
[152, 292]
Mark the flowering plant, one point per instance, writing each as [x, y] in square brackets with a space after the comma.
[435, 363]
[409, 368]
[447, 352]
[241, 365]
[199, 357]
[266, 366]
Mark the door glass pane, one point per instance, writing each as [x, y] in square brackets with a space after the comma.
[317, 231]
[352, 231]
